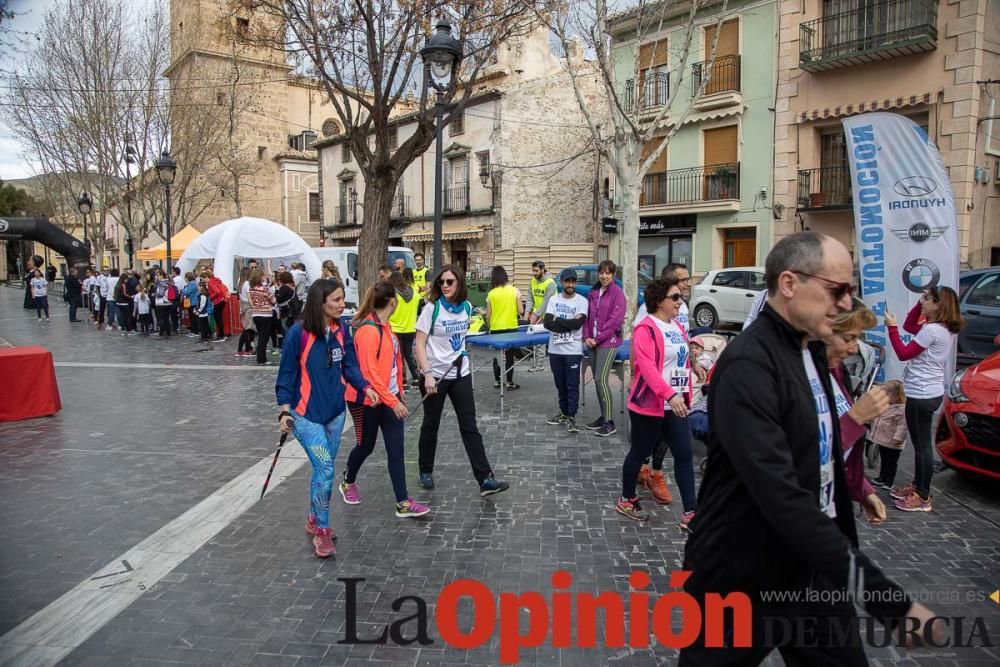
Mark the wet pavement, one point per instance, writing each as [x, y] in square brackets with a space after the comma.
[153, 430]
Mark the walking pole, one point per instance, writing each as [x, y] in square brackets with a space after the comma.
[454, 364]
[281, 443]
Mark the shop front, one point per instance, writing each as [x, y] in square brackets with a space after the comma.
[665, 239]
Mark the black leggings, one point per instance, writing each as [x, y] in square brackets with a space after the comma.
[464, 402]
[889, 458]
[508, 356]
[406, 341]
[919, 422]
[218, 312]
[367, 422]
[647, 432]
[246, 340]
[263, 325]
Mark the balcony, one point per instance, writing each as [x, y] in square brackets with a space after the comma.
[722, 89]
[653, 94]
[825, 189]
[456, 199]
[711, 189]
[870, 32]
[400, 207]
[347, 215]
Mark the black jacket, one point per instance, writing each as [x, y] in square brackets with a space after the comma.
[72, 287]
[759, 525]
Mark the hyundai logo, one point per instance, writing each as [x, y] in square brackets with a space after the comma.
[915, 186]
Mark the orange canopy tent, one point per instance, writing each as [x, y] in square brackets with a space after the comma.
[178, 244]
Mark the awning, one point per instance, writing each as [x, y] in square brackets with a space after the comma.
[346, 234]
[875, 105]
[422, 236]
[178, 244]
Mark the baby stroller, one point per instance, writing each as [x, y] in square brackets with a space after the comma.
[698, 415]
[863, 369]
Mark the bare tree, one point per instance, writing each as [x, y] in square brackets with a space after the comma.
[638, 132]
[366, 56]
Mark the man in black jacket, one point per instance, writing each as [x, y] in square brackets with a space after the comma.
[773, 511]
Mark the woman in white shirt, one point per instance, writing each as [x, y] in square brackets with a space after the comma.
[929, 354]
[440, 350]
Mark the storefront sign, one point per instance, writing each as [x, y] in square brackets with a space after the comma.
[667, 224]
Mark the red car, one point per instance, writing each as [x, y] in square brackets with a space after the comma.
[968, 436]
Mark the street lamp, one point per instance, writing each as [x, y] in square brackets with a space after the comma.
[441, 57]
[85, 206]
[166, 170]
[129, 159]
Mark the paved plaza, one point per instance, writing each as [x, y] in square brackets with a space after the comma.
[132, 533]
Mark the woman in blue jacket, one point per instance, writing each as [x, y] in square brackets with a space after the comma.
[316, 360]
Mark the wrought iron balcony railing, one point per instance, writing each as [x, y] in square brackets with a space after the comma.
[400, 207]
[824, 188]
[723, 75]
[456, 199]
[653, 92]
[347, 215]
[717, 182]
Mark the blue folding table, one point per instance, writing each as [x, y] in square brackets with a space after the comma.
[507, 341]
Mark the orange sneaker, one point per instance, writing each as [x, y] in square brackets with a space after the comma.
[643, 479]
[657, 486]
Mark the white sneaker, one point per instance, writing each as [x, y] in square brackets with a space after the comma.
[39, 319]
[47, 319]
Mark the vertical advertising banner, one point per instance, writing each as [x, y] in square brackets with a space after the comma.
[904, 218]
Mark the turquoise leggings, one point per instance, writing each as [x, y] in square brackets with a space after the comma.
[321, 442]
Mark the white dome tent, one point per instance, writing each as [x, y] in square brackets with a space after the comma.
[248, 237]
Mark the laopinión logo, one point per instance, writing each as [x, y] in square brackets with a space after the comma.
[918, 232]
[920, 274]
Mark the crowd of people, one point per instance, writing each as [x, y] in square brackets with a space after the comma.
[785, 453]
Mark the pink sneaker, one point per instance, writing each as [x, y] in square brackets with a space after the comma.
[323, 543]
[901, 492]
[410, 508]
[311, 527]
[686, 519]
[914, 503]
[350, 493]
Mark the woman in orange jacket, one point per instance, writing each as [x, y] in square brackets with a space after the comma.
[381, 364]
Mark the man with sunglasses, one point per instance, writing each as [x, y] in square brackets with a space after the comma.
[774, 513]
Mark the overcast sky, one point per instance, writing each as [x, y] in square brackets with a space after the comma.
[26, 23]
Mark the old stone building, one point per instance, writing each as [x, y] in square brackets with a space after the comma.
[519, 172]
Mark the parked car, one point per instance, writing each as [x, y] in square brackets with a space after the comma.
[725, 295]
[979, 298]
[346, 259]
[968, 435]
[586, 278]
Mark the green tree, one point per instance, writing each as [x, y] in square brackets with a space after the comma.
[15, 202]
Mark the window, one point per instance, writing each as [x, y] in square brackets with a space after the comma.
[331, 128]
[457, 125]
[393, 138]
[242, 26]
[314, 212]
[729, 279]
[345, 155]
[986, 293]
[965, 282]
[757, 281]
[352, 265]
[220, 99]
[654, 79]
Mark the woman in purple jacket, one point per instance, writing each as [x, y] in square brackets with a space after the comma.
[847, 328]
[602, 336]
[660, 398]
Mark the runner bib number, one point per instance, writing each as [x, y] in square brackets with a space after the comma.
[679, 378]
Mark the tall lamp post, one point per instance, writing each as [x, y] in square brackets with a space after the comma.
[166, 170]
[441, 55]
[129, 159]
[85, 206]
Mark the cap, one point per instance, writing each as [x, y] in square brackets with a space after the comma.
[698, 340]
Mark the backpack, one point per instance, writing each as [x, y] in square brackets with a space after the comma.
[437, 309]
[161, 292]
[171, 292]
[381, 333]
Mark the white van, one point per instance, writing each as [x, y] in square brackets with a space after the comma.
[346, 259]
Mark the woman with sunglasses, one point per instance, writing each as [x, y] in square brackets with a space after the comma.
[602, 336]
[440, 349]
[317, 362]
[929, 353]
[660, 398]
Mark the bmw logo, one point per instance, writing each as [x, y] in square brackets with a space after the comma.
[919, 232]
[915, 186]
[920, 274]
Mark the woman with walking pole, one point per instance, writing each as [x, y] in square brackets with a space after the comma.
[440, 350]
[379, 354]
[318, 361]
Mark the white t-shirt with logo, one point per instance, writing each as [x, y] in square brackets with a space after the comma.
[394, 375]
[681, 319]
[675, 369]
[843, 406]
[561, 308]
[447, 341]
[39, 287]
[826, 442]
[924, 375]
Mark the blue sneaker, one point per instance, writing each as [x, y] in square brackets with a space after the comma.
[490, 485]
[425, 480]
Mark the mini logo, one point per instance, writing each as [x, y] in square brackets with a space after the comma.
[4, 225]
[920, 274]
[915, 186]
[918, 232]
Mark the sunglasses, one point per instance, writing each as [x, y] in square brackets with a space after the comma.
[931, 296]
[837, 291]
[446, 281]
[675, 297]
